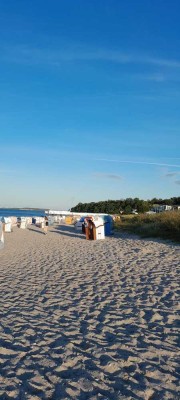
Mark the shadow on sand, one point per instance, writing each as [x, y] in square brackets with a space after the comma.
[37, 230]
[68, 230]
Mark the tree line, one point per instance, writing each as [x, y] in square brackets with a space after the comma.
[125, 206]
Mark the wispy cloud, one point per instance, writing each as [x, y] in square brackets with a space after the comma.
[56, 56]
[138, 162]
[174, 158]
[37, 151]
[4, 171]
[177, 182]
[158, 77]
[164, 62]
[107, 176]
[171, 174]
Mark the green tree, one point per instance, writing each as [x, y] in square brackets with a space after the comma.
[128, 209]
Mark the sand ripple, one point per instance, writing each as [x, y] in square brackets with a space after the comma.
[88, 320]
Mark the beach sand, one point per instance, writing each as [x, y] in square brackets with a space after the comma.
[87, 319]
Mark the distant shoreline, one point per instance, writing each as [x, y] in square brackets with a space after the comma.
[21, 212]
[24, 209]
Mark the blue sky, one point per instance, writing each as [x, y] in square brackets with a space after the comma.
[89, 101]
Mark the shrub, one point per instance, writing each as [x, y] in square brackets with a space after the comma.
[165, 225]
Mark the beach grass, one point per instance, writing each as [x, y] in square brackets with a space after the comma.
[165, 225]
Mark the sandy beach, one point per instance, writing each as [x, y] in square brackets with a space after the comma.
[88, 319]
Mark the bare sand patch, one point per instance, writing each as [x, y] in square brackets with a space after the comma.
[88, 320]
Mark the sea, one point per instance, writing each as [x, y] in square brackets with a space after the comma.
[10, 212]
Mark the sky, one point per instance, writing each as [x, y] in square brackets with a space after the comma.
[89, 101]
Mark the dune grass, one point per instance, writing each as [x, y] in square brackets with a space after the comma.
[164, 225]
